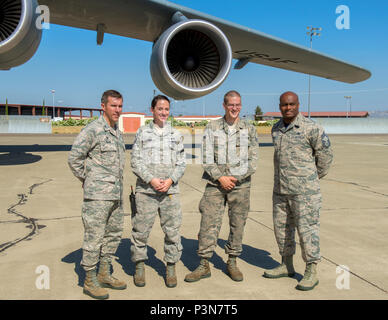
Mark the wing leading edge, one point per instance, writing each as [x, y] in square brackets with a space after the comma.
[147, 19]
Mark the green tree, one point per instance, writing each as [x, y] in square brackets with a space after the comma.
[258, 113]
[6, 106]
[43, 108]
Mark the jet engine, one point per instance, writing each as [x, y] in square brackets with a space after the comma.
[19, 36]
[190, 59]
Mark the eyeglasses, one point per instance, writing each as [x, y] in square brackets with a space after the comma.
[237, 105]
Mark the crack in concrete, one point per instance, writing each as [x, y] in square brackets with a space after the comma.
[364, 188]
[31, 222]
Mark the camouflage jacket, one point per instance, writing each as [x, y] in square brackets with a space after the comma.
[302, 156]
[227, 153]
[97, 158]
[157, 155]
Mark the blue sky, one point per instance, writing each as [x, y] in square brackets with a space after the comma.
[69, 61]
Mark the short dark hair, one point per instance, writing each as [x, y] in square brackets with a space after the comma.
[110, 93]
[231, 93]
[157, 98]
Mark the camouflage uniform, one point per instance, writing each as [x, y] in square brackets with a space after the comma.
[157, 155]
[97, 159]
[302, 156]
[226, 153]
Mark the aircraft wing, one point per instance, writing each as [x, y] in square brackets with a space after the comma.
[148, 19]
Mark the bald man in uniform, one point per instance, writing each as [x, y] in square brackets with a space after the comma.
[302, 157]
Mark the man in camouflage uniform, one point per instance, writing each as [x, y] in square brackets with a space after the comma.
[97, 159]
[230, 155]
[158, 160]
[302, 156]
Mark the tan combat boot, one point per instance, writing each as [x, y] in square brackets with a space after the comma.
[310, 278]
[93, 288]
[171, 280]
[202, 271]
[233, 270]
[106, 280]
[286, 269]
[139, 277]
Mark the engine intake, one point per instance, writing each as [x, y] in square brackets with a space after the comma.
[190, 59]
[19, 36]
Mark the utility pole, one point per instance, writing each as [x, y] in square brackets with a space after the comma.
[348, 98]
[53, 92]
[312, 32]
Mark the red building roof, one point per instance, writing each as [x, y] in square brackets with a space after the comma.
[133, 113]
[189, 117]
[332, 114]
[198, 117]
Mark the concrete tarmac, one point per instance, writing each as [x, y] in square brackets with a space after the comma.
[41, 230]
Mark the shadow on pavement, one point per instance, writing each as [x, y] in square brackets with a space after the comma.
[67, 147]
[190, 258]
[257, 257]
[254, 256]
[18, 158]
[76, 257]
[123, 255]
[41, 148]
[265, 144]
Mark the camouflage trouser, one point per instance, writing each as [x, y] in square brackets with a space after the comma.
[169, 209]
[300, 212]
[212, 208]
[103, 222]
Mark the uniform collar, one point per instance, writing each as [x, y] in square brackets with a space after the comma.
[295, 123]
[238, 125]
[167, 126]
[107, 127]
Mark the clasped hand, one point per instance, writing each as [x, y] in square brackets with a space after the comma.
[227, 182]
[161, 185]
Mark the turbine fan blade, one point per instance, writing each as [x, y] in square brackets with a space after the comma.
[193, 59]
[10, 13]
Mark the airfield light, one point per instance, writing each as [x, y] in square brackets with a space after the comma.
[312, 32]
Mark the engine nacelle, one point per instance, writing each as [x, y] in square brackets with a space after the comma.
[19, 36]
[190, 59]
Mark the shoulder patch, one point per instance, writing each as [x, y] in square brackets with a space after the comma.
[325, 140]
